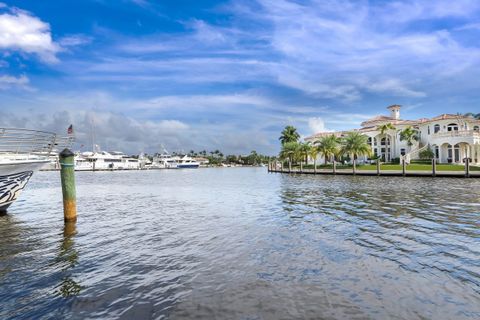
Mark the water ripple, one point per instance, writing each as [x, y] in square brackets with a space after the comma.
[243, 244]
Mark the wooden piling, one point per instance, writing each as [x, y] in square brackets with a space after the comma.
[434, 167]
[467, 167]
[404, 167]
[378, 167]
[334, 167]
[301, 167]
[67, 176]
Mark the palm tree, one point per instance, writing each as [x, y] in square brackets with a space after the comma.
[304, 150]
[290, 151]
[313, 153]
[384, 129]
[328, 146]
[473, 115]
[409, 135]
[356, 144]
[289, 134]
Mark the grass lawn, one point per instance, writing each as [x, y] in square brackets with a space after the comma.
[410, 167]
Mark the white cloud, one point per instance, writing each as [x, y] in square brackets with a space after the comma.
[395, 87]
[7, 82]
[328, 47]
[74, 40]
[316, 125]
[20, 31]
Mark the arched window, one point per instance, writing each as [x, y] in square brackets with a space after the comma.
[374, 141]
[369, 140]
[452, 127]
[385, 142]
[436, 128]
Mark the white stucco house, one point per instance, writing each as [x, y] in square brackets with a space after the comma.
[451, 137]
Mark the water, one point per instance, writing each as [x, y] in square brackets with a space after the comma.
[239, 243]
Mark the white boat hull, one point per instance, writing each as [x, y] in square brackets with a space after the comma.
[14, 176]
[188, 165]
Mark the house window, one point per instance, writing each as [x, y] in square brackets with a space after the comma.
[453, 153]
[402, 151]
[370, 141]
[476, 128]
[437, 152]
[428, 130]
[436, 128]
[452, 127]
[374, 141]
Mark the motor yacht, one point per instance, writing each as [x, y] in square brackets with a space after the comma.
[103, 160]
[164, 160]
[22, 152]
[187, 162]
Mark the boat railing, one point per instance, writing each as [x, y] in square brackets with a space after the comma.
[26, 142]
[62, 142]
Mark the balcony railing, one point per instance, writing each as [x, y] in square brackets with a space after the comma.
[460, 133]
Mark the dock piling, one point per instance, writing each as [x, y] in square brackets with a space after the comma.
[378, 167]
[67, 176]
[467, 167]
[404, 167]
[334, 167]
[434, 167]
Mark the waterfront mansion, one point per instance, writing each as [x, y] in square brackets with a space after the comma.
[451, 137]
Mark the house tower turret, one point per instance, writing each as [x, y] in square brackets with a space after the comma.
[395, 111]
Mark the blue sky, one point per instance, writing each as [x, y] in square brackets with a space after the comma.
[230, 75]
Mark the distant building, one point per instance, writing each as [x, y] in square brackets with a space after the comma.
[451, 137]
[202, 161]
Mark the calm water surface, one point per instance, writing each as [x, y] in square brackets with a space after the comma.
[239, 243]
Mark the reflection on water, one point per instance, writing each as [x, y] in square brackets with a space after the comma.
[67, 259]
[239, 243]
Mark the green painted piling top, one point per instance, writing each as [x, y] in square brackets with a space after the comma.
[66, 153]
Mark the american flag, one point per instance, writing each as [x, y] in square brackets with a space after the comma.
[70, 129]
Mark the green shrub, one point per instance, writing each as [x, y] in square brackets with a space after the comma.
[426, 154]
[396, 160]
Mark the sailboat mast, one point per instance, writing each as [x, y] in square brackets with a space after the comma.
[93, 134]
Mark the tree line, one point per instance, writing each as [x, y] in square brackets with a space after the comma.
[217, 157]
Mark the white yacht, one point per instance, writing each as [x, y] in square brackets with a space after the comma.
[187, 162]
[22, 152]
[164, 160]
[103, 160]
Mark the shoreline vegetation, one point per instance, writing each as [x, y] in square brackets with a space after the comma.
[343, 154]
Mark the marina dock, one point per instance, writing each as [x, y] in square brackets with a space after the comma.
[382, 173]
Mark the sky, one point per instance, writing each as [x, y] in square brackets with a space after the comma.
[229, 75]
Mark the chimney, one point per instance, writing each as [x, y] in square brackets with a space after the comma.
[395, 111]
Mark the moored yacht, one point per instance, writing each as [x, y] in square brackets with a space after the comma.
[103, 160]
[187, 162]
[22, 152]
[164, 160]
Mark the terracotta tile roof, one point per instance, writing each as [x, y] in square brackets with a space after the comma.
[372, 124]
